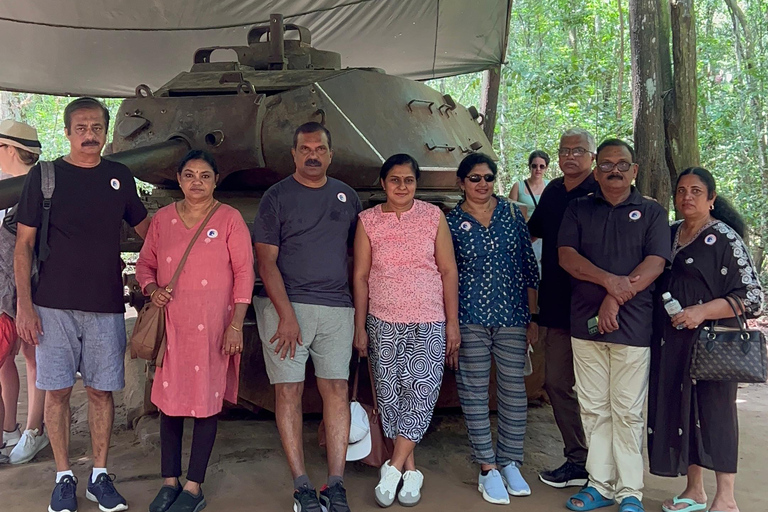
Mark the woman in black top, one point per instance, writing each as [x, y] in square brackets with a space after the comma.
[694, 425]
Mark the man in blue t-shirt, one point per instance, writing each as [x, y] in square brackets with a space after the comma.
[302, 233]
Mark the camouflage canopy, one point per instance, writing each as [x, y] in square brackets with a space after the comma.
[108, 47]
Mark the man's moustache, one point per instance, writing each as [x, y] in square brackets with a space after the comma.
[313, 163]
[90, 143]
[615, 177]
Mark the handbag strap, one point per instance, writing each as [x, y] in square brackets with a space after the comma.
[373, 387]
[355, 381]
[530, 193]
[172, 283]
[732, 301]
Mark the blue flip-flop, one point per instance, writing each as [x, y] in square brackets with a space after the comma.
[693, 505]
[590, 499]
[631, 504]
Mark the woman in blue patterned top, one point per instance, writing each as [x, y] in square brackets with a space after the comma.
[498, 279]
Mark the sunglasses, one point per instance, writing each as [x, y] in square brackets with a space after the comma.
[475, 178]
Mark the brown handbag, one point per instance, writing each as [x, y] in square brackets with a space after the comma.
[381, 446]
[148, 338]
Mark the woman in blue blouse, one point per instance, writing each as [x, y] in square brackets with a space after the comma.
[498, 278]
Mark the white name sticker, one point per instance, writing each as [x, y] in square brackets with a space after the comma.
[710, 239]
[212, 233]
[115, 183]
[635, 215]
[341, 196]
[466, 225]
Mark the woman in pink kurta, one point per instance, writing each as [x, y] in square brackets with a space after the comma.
[204, 316]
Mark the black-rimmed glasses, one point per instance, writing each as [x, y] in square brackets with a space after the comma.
[475, 178]
[576, 152]
[621, 166]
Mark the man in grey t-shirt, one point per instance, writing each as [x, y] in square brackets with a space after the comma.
[302, 232]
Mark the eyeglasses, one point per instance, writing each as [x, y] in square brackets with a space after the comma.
[621, 166]
[540, 166]
[475, 178]
[304, 150]
[576, 152]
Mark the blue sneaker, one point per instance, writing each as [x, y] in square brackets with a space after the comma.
[103, 492]
[514, 481]
[492, 488]
[64, 497]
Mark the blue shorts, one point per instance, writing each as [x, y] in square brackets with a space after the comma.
[79, 341]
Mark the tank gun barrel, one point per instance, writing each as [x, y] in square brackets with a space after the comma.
[155, 163]
[10, 191]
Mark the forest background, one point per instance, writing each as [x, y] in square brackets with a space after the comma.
[569, 64]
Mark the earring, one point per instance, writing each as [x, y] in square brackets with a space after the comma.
[712, 206]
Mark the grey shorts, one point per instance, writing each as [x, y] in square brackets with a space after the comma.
[78, 341]
[326, 333]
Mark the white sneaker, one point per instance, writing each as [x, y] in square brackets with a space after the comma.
[410, 493]
[32, 441]
[3, 458]
[387, 489]
[10, 439]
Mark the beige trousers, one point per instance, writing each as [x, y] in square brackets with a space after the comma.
[612, 383]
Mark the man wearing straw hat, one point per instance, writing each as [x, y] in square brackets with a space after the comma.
[77, 321]
[19, 151]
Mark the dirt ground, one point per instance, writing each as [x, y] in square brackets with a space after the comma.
[247, 470]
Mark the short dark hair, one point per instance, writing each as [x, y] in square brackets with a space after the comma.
[538, 154]
[198, 154]
[608, 143]
[86, 102]
[723, 210]
[399, 159]
[311, 127]
[470, 161]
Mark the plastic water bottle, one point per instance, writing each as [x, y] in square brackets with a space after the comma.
[672, 306]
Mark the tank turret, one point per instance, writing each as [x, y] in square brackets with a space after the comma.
[244, 111]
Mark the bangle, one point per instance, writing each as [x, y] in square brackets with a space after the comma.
[153, 292]
[235, 328]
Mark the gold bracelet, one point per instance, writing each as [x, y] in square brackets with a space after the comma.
[235, 328]
[153, 293]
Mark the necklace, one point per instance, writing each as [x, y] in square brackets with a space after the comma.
[677, 246]
[184, 214]
[489, 206]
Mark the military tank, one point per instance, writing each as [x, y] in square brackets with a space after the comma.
[243, 103]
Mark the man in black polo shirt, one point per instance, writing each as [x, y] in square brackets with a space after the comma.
[614, 243]
[576, 155]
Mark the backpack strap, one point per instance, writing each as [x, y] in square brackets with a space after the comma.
[47, 185]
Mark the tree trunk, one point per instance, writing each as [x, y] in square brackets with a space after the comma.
[653, 177]
[682, 131]
[620, 92]
[490, 100]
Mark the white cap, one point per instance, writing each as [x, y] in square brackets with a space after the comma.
[359, 446]
[666, 296]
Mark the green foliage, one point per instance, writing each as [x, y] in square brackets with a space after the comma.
[562, 70]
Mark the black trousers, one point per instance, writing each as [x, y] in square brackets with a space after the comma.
[203, 436]
[559, 380]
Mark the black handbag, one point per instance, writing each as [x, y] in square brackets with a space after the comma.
[730, 354]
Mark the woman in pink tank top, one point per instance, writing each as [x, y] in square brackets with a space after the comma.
[406, 304]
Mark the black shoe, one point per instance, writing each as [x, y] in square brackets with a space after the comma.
[334, 498]
[165, 498]
[188, 502]
[567, 475]
[305, 500]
